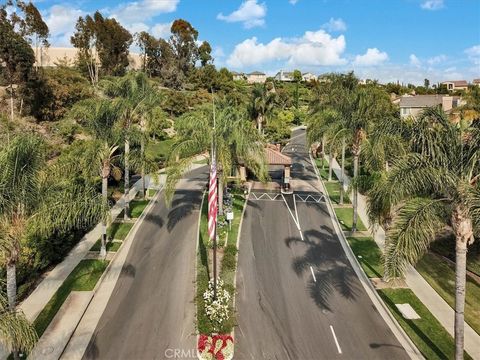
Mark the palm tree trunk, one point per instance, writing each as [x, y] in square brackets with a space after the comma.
[323, 151]
[11, 103]
[342, 175]
[463, 229]
[259, 123]
[11, 285]
[355, 192]
[142, 150]
[460, 279]
[103, 249]
[126, 201]
[330, 167]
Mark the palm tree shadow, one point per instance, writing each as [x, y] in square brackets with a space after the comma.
[334, 276]
[184, 203]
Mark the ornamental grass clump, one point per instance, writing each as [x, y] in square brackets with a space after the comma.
[217, 308]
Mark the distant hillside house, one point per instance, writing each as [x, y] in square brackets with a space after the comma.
[456, 85]
[54, 56]
[308, 76]
[413, 105]
[238, 76]
[256, 77]
[284, 76]
[476, 82]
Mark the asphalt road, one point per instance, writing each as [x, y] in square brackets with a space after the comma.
[151, 311]
[301, 299]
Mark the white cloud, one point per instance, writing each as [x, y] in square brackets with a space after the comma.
[373, 56]
[314, 48]
[293, 2]
[161, 30]
[474, 54]
[436, 59]
[335, 25]
[432, 4]
[250, 13]
[218, 52]
[61, 22]
[139, 11]
[414, 60]
[137, 27]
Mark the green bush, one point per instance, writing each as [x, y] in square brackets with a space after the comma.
[229, 260]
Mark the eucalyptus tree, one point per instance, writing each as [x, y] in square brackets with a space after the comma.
[236, 142]
[136, 100]
[36, 199]
[435, 185]
[100, 118]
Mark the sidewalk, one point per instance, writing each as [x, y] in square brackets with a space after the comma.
[422, 289]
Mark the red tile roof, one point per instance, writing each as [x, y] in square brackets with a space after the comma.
[275, 157]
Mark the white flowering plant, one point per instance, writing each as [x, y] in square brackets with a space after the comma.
[217, 308]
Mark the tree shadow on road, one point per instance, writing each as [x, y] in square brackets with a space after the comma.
[332, 271]
[184, 203]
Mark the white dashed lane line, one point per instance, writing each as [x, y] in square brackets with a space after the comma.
[313, 274]
[336, 341]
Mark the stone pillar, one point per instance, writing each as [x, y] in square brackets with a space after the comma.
[243, 173]
[287, 171]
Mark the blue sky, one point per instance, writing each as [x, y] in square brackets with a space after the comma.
[389, 40]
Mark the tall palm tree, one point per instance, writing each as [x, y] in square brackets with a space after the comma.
[136, 98]
[236, 142]
[35, 198]
[16, 333]
[437, 184]
[261, 105]
[359, 108]
[100, 118]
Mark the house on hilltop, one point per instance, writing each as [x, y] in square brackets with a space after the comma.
[456, 85]
[256, 77]
[414, 105]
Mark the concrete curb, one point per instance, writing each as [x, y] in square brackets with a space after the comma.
[392, 323]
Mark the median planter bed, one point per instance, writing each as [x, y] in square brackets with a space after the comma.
[215, 341]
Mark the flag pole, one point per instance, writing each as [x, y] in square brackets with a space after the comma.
[214, 155]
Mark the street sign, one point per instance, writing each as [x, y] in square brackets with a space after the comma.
[230, 215]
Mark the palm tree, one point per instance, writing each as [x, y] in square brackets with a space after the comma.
[358, 110]
[136, 98]
[261, 105]
[16, 333]
[100, 117]
[236, 142]
[433, 186]
[36, 199]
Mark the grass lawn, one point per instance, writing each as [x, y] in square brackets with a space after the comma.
[111, 246]
[371, 256]
[446, 247]
[345, 216]
[159, 150]
[333, 189]
[83, 278]
[323, 173]
[119, 230]
[151, 192]
[137, 207]
[201, 162]
[427, 333]
[441, 276]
